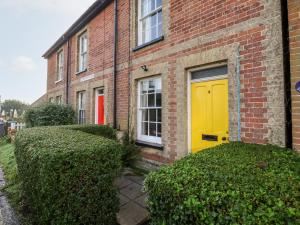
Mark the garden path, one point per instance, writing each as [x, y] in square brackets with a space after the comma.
[133, 209]
[7, 215]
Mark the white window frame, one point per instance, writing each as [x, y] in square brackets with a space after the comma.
[144, 17]
[60, 66]
[81, 107]
[82, 52]
[140, 136]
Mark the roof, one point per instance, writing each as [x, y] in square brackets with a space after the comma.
[86, 17]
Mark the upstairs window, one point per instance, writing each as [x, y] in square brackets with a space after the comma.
[82, 52]
[150, 110]
[60, 65]
[150, 20]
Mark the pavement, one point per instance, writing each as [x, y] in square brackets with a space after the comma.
[133, 208]
[7, 215]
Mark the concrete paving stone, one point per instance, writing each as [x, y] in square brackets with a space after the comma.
[122, 182]
[132, 214]
[123, 199]
[142, 200]
[132, 191]
[137, 179]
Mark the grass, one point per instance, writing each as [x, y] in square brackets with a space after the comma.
[12, 188]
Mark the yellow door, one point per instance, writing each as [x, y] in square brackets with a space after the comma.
[209, 102]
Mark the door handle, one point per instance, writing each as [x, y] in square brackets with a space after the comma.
[224, 139]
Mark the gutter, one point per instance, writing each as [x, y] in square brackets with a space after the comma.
[115, 64]
[287, 74]
[68, 71]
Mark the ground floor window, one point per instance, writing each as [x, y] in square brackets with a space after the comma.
[58, 100]
[81, 107]
[150, 110]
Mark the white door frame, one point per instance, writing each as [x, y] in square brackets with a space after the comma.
[96, 103]
[189, 96]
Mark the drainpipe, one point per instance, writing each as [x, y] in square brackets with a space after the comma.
[68, 71]
[115, 65]
[238, 92]
[287, 73]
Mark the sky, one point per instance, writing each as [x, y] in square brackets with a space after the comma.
[28, 29]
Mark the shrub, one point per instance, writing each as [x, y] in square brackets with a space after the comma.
[67, 176]
[102, 130]
[130, 152]
[229, 184]
[49, 115]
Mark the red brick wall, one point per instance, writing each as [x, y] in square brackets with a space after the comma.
[294, 27]
[200, 18]
[100, 60]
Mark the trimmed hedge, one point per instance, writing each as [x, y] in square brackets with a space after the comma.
[49, 115]
[67, 176]
[100, 130]
[230, 184]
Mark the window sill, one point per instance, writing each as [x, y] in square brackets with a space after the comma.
[150, 145]
[58, 81]
[161, 38]
[80, 72]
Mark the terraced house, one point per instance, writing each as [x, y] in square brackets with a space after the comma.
[180, 76]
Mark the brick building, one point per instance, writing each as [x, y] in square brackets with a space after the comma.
[294, 40]
[189, 74]
[83, 63]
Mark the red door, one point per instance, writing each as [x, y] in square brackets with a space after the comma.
[101, 110]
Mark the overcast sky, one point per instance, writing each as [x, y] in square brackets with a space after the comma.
[28, 29]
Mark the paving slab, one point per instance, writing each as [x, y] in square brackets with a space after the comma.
[132, 214]
[132, 191]
[133, 208]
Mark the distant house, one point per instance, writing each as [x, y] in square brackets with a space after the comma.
[181, 76]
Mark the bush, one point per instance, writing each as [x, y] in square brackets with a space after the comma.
[229, 184]
[49, 115]
[99, 130]
[67, 176]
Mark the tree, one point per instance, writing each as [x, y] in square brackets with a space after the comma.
[13, 107]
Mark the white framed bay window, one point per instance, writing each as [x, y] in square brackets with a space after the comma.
[82, 52]
[149, 20]
[150, 110]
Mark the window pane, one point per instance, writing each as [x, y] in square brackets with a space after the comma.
[152, 3]
[158, 100]
[158, 3]
[158, 130]
[152, 115]
[144, 7]
[144, 101]
[145, 115]
[159, 115]
[152, 129]
[145, 128]
[151, 100]
[153, 33]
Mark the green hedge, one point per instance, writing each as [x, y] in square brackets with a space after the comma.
[100, 130]
[49, 115]
[67, 176]
[230, 184]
